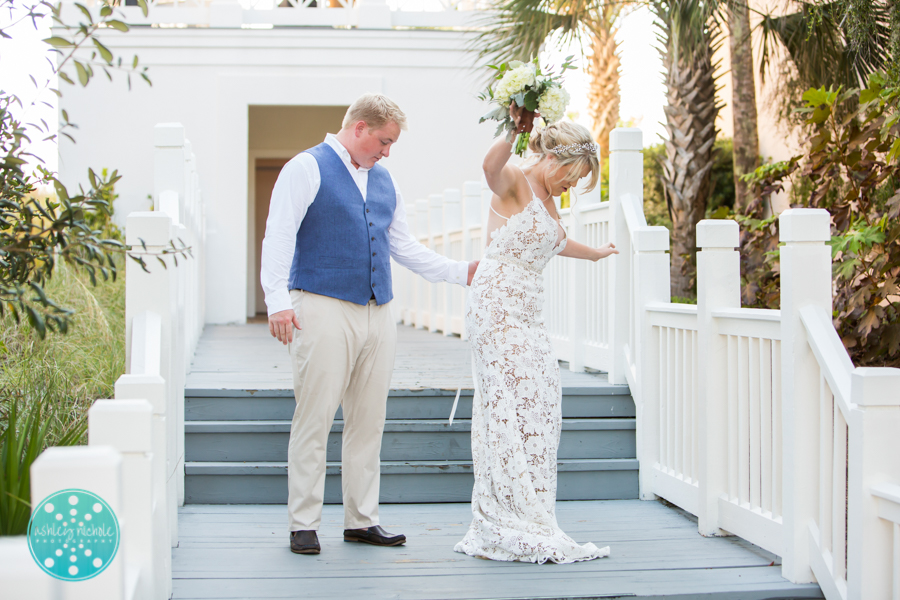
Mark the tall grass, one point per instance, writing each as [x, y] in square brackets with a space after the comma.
[66, 373]
[47, 386]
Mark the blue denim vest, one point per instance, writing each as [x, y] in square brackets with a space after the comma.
[343, 249]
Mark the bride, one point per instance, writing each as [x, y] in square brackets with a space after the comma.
[516, 415]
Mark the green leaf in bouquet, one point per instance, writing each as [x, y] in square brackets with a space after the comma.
[531, 100]
[519, 98]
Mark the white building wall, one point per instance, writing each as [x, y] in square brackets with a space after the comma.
[206, 79]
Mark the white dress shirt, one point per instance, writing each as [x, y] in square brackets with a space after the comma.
[295, 190]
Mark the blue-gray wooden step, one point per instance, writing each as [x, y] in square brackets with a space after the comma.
[236, 445]
[255, 441]
[602, 400]
[401, 482]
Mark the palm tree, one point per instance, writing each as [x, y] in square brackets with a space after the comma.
[743, 101]
[689, 36]
[517, 29]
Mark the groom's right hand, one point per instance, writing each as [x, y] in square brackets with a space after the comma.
[281, 325]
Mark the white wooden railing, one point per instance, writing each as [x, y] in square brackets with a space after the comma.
[134, 459]
[266, 14]
[753, 420]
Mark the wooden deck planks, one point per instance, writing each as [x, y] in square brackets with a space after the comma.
[242, 552]
[242, 357]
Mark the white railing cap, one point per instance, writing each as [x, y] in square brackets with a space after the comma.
[875, 386]
[168, 135]
[718, 233]
[126, 425]
[626, 138]
[452, 195]
[153, 227]
[472, 188]
[152, 388]
[804, 225]
[651, 239]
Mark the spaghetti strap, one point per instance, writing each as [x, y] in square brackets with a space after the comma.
[496, 213]
[529, 183]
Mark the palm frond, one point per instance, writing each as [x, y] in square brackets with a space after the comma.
[816, 40]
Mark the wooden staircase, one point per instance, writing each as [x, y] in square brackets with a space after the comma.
[236, 445]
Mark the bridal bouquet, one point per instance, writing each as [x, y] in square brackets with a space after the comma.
[529, 87]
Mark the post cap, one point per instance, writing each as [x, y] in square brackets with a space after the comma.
[472, 188]
[152, 388]
[804, 225]
[718, 233]
[168, 135]
[651, 239]
[126, 425]
[452, 195]
[151, 227]
[626, 138]
[875, 386]
[435, 200]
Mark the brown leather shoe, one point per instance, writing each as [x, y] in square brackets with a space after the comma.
[305, 542]
[374, 535]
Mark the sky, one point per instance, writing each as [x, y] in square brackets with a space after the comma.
[642, 90]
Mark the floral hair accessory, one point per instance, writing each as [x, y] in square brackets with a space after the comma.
[573, 148]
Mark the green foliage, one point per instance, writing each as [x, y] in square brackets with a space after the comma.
[722, 176]
[852, 170]
[54, 381]
[37, 233]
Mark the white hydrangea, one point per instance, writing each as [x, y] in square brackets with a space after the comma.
[513, 82]
[552, 104]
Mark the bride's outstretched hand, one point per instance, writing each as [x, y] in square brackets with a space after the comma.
[605, 250]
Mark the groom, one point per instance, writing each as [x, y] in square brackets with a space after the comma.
[335, 220]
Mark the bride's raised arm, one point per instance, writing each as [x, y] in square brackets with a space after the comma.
[501, 176]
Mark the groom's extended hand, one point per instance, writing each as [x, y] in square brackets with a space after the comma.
[473, 266]
[281, 325]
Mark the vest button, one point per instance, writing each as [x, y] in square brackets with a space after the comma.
[374, 253]
[373, 285]
[367, 210]
[373, 239]
[373, 269]
[371, 224]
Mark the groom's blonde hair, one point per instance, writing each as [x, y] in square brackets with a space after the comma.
[376, 110]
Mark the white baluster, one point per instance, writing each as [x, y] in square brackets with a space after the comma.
[437, 242]
[452, 221]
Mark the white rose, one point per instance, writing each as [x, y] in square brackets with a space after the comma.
[513, 82]
[552, 104]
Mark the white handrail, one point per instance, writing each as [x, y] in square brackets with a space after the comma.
[830, 353]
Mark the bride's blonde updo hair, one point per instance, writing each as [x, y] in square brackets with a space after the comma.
[573, 144]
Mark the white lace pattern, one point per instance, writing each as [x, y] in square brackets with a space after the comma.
[516, 412]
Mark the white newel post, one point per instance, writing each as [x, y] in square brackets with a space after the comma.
[805, 281]
[626, 176]
[874, 456]
[127, 426]
[95, 469]
[452, 212]
[423, 233]
[20, 574]
[718, 286]
[152, 387]
[155, 292]
[435, 228]
[651, 272]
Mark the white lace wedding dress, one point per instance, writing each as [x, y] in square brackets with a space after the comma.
[516, 412]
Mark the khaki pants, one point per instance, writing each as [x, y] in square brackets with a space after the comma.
[342, 356]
